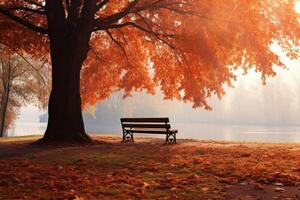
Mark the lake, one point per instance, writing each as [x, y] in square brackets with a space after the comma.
[200, 131]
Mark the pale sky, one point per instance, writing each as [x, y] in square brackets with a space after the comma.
[298, 6]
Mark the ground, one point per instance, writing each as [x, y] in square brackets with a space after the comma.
[148, 169]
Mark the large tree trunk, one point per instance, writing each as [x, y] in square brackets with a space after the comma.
[65, 121]
[69, 44]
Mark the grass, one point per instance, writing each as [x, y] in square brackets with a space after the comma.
[147, 169]
[20, 139]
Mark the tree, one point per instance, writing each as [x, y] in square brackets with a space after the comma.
[21, 83]
[188, 48]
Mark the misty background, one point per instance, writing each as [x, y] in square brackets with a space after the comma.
[250, 111]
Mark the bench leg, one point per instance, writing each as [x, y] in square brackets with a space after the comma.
[171, 138]
[123, 136]
[127, 137]
[175, 138]
[167, 138]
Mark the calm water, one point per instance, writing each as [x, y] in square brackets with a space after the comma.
[201, 131]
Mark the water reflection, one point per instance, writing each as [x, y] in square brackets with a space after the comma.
[27, 128]
[225, 132]
[200, 131]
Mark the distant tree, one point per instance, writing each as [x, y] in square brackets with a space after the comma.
[188, 48]
[21, 83]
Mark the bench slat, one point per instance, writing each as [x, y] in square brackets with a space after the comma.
[166, 126]
[159, 119]
[151, 131]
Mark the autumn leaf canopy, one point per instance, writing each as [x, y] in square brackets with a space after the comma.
[189, 49]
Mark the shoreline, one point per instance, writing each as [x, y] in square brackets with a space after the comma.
[198, 131]
[140, 138]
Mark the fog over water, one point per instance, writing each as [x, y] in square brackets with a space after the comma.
[250, 111]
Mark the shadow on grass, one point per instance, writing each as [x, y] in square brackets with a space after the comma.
[14, 147]
[11, 148]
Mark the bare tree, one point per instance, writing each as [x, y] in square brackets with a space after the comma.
[21, 83]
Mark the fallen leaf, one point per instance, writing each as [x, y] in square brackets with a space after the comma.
[278, 184]
[279, 189]
[259, 187]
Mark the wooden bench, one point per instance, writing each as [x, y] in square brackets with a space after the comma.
[147, 126]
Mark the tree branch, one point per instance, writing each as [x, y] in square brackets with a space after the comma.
[117, 16]
[139, 21]
[26, 9]
[23, 22]
[96, 54]
[161, 4]
[101, 4]
[34, 3]
[112, 20]
[117, 42]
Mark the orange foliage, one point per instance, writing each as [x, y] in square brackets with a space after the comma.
[191, 54]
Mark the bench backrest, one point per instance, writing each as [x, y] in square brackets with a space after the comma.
[150, 123]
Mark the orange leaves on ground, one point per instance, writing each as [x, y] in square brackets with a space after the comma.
[189, 170]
